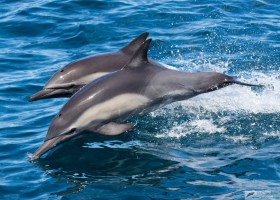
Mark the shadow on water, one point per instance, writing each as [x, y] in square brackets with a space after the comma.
[120, 162]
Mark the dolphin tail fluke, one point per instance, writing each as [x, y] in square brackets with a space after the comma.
[245, 84]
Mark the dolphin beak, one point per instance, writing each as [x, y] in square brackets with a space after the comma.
[43, 94]
[51, 143]
[46, 146]
[43, 149]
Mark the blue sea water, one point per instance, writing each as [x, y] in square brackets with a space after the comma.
[218, 145]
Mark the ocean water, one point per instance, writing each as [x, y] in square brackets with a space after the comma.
[219, 145]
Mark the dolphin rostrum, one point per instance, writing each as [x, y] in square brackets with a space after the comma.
[75, 75]
[140, 87]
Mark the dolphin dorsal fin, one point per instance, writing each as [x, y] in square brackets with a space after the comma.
[134, 45]
[140, 57]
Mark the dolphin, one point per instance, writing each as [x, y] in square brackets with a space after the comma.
[138, 88]
[75, 75]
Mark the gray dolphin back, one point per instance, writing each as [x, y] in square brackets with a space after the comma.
[76, 74]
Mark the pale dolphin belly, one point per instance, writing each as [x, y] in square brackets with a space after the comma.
[116, 107]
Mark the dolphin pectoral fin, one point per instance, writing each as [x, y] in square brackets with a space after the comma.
[113, 128]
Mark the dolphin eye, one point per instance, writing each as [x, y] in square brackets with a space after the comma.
[71, 131]
[59, 115]
[62, 70]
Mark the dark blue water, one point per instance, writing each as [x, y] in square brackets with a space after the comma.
[215, 146]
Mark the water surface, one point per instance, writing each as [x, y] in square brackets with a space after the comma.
[215, 146]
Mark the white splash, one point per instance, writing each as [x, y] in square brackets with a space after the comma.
[238, 98]
[273, 134]
[196, 126]
[238, 139]
[234, 98]
[114, 144]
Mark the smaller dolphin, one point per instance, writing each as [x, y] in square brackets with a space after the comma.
[75, 75]
[139, 88]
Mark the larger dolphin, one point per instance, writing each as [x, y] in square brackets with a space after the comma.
[75, 75]
[140, 87]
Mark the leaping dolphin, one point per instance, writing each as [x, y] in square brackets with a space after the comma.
[140, 87]
[75, 75]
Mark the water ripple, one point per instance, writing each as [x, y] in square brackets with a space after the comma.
[214, 146]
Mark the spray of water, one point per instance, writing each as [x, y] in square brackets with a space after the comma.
[229, 103]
